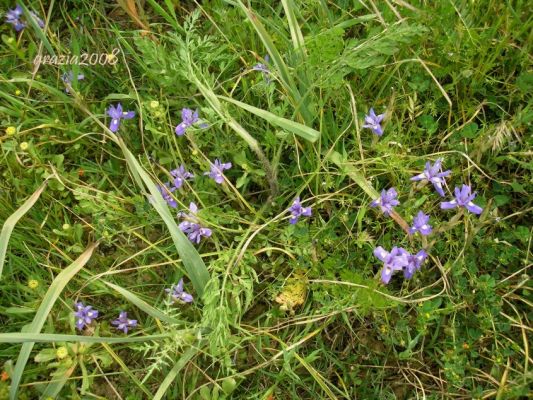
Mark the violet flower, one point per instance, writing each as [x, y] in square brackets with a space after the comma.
[386, 201]
[116, 115]
[178, 294]
[415, 262]
[122, 323]
[263, 68]
[297, 211]
[166, 191]
[191, 225]
[180, 176]
[84, 315]
[13, 17]
[217, 169]
[373, 122]
[432, 174]
[188, 118]
[421, 224]
[394, 261]
[463, 198]
[68, 77]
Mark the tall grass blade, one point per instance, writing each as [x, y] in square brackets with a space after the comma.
[25, 337]
[10, 223]
[183, 360]
[44, 309]
[193, 263]
[141, 304]
[296, 33]
[285, 75]
[303, 131]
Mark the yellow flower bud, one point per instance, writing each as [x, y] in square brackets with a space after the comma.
[11, 130]
[61, 352]
[17, 92]
[24, 146]
[33, 284]
[66, 227]
[154, 104]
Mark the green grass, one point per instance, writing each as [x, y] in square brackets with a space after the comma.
[280, 311]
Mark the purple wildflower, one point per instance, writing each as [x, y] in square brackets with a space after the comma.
[373, 122]
[421, 224]
[166, 192]
[39, 21]
[217, 169]
[386, 201]
[13, 17]
[415, 262]
[432, 174]
[116, 115]
[394, 261]
[123, 323]
[84, 315]
[297, 211]
[191, 225]
[463, 198]
[263, 68]
[188, 118]
[178, 294]
[180, 176]
[67, 78]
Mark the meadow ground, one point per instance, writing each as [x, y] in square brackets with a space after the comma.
[230, 199]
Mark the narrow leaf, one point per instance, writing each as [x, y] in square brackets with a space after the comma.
[143, 305]
[303, 131]
[183, 360]
[10, 223]
[24, 337]
[44, 309]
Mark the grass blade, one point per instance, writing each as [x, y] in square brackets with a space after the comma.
[44, 309]
[303, 131]
[296, 33]
[141, 304]
[193, 263]
[10, 223]
[25, 337]
[183, 360]
[284, 72]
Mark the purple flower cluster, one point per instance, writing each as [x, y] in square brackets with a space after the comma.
[433, 174]
[297, 211]
[263, 68]
[179, 176]
[386, 201]
[191, 225]
[399, 260]
[116, 115]
[84, 315]
[373, 122]
[217, 169]
[68, 77]
[178, 294]
[188, 119]
[14, 17]
[463, 198]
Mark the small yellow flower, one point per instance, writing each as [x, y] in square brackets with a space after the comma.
[11, 130]
[33, 284]
[17, 92]
[194, 152]
[154, 104]
[66, 227]
[61, 352]
[24, 146]
[110, 57]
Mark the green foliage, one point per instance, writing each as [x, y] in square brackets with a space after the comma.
[280, 311]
